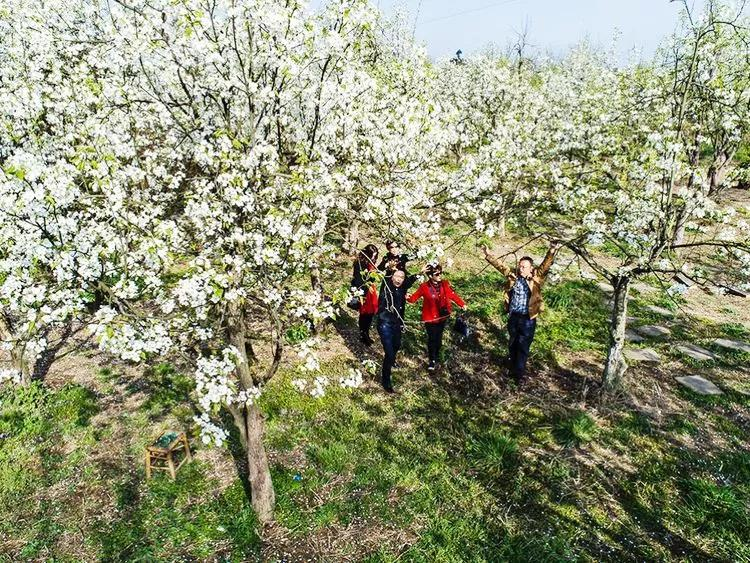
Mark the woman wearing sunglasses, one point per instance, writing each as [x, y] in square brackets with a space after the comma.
[437, 297]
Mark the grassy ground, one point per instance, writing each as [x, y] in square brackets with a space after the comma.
[459, 466]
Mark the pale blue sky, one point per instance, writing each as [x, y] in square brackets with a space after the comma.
[447, 25]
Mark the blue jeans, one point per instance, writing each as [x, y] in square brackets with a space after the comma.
[521, 333]
[390, 336]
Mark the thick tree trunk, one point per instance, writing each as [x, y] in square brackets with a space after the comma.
[20, 364]
[352, 238]
[251, 426]
[679, 229]
[716, 176]
[316, 283]
[249, 422]
[501, 231]
[263, 496]
[614, 369]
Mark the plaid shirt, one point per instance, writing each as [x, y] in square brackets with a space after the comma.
[519, 301]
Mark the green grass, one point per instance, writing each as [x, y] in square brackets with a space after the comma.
[576, 429]
[47, 445]
[433, 474]
[167, 520]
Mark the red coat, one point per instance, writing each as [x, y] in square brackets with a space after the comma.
[433, 300]
[370, 298]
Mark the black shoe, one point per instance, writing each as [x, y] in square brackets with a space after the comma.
[520, 380]
[366, 340]
[432, 366]
[390, 390]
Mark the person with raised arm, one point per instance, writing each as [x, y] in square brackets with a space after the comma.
[437, 297]
[523, 303]
[391, 323]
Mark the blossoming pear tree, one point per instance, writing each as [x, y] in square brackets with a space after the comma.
[56, 244]
[709, 59]
[622, 182]
[237, 131]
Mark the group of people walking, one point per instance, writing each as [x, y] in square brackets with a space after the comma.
[388, 303]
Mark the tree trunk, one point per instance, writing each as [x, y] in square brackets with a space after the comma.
[20, 364]
[352, 238]
[715, 180]
[316, 284]
[251, 426]
[614, 369]
[501, 231]
[249, 422]
[261, 487]
[682, 213]
[679, 230]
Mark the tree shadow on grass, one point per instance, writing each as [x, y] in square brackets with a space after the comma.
[52, 353]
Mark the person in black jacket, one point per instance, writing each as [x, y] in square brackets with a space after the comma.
[391, 324]
[393, 259]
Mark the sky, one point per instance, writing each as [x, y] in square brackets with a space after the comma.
[553, 25]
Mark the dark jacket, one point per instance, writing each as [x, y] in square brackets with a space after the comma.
[392, 300]
[399, 265]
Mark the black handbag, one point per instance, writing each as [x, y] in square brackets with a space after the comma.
[461, 327]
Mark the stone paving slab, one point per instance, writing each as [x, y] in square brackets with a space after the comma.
[696, 352]
[643, 288]
[736, 345]
[683, 279]
[606, 288]
[653, 331]
[700, 385]
[643, 355]
[660, 311]
[632, 336]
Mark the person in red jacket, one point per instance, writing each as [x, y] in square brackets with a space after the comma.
[436, 295]
[363, 280]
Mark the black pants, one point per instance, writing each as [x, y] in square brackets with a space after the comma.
[521, 333]
[434, 339]
[365, 322]
[390, 337]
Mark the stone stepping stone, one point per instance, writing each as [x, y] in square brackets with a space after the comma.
[735, 345]
[653, 331]
[699, 385]
[643, 355]
[643, 288]
[660, 311]
[683, 279]
[605, 287]
[696, 352]
[734, 291]
[631, 336]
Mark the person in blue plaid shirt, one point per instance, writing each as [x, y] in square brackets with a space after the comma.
[523, 302]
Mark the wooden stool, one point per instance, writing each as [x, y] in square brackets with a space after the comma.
[160, 455]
